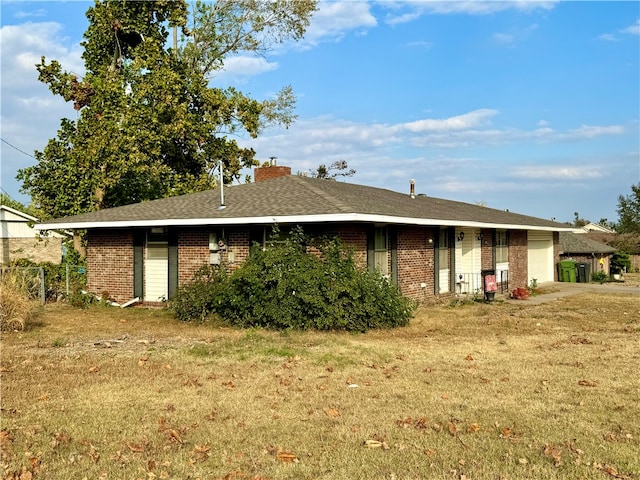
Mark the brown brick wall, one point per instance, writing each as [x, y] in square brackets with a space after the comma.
[355, 238]
[193, 253]
[110, 263]
[486, 250]
[416, 262]
[518, 259]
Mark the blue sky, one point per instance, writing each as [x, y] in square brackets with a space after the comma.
[530, 106]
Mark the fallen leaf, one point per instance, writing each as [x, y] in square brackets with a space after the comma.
[332, 412]
[468, 358]
[94, 369]
[587, 383]
[372, 443]
[453, 428]
[473, 428]
[135, 448]
[287, 457]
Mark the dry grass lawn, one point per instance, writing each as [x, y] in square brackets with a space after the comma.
[500, 391]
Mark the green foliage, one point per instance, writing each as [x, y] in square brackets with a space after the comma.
[149, 125]
[620, 262]
[285, 287]
[55, 274]
[629, 212]
[600, 277]
[196, 300]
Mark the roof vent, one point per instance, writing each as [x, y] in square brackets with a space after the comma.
[412, 188]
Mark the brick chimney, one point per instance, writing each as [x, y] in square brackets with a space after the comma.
[272, 171]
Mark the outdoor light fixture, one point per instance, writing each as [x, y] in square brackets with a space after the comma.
[461, 236]
[479, 237]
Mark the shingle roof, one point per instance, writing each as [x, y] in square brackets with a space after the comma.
[305, 200]
[580, 243]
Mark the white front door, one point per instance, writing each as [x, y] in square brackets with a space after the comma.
[156, 276]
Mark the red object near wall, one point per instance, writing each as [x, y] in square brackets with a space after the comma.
[490, 284]
[520, 294]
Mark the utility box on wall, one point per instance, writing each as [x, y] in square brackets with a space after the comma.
[214, 258]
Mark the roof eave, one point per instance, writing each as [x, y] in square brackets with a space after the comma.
[296, 219]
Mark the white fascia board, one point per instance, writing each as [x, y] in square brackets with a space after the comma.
[288, 219]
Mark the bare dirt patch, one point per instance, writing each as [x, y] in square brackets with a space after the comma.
[474, 391]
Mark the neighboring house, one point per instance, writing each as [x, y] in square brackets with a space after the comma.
[596, 227]
[584, 249]
[428, 246]
[20, 240]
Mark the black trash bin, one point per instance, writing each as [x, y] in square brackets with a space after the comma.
[489, 284]
[584, 272]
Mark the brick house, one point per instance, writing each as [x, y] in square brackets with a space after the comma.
[18, 239]
[428, 246]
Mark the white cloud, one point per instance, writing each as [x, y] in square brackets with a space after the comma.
[26, 14]
[558, 172]
[592, 131]
[334, 19]
[241, 67]
[632, 29]
[503, 38]
[30, 112]
[458, 122]
[409, 10]
[608, 37]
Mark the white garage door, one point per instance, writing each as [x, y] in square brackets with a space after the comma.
[540, 256]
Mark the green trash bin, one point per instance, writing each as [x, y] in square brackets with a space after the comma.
[567, 271]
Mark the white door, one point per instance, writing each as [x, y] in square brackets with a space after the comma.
[156, 272]
[540, 256]
[467, 260]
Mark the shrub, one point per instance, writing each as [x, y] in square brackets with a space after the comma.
[620, 262]
[600, 277]
[195, 300]
[17, 305]
[286, 287]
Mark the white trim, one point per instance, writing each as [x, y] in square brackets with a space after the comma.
[26, 216]
[294, 219]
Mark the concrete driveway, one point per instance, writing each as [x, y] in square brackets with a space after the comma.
[562, 289]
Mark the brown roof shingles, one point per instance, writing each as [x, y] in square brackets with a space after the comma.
[302, 196]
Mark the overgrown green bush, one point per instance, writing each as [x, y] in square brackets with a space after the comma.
[195, 300]
[286, 287]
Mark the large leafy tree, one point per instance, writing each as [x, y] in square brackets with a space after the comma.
[627, 237]
[149, 123]
[629, 211]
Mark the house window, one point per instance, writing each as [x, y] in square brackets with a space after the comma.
[265, 237]
[157, 235]
[381, 256]
[502, 247]
[443, 249]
